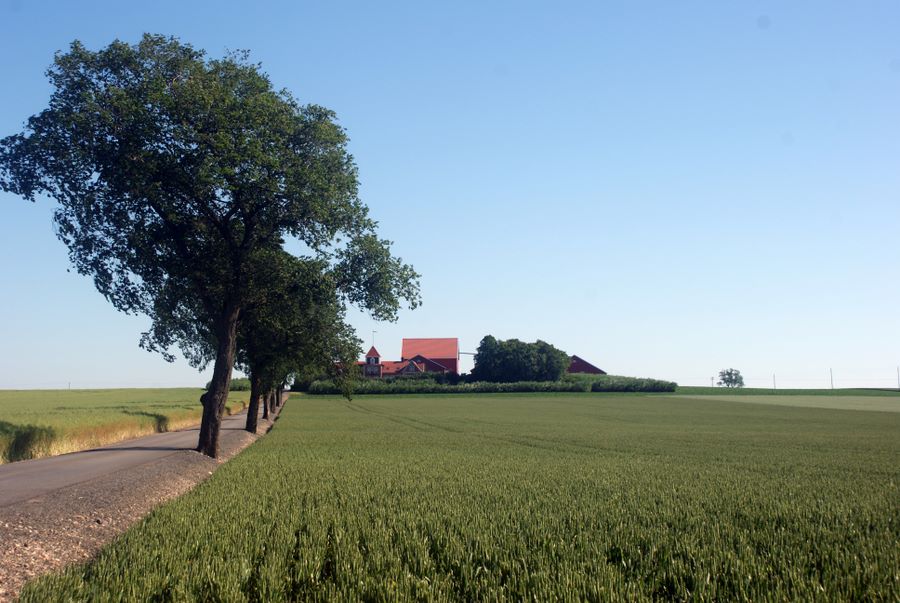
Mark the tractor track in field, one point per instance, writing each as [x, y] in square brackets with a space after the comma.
[54, 529]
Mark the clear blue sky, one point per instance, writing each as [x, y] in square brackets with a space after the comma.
[663, 188]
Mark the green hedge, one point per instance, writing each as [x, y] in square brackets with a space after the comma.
[377, 386]
[602, 383]
[613, 383]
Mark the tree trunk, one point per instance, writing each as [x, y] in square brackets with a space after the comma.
[253, 408]
[214, 400]
[279, 396]
[266, 403]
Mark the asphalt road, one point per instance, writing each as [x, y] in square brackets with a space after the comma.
[25, 480]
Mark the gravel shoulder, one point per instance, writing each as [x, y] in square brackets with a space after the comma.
[71, 524]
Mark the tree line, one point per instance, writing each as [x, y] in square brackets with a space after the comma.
[179, 180]
[514, 360]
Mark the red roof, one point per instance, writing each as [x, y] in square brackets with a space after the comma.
[392, 367]
[435, 347]
[580, 365]
[373, 353]
[428, 362]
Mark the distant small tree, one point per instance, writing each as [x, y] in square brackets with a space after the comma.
[731, 378]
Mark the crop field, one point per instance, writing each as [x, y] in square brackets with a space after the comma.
[527, 496]
[39, 423]
[852, 402]
[767, 391]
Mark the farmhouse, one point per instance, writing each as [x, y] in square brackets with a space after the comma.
[423, 355]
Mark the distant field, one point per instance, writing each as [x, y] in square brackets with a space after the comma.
[881, 403]
[527, 497]
[39, 423]
[768, 391]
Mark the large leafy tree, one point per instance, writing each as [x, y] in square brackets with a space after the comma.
[515, 360]
[172, 170]
[293, 323]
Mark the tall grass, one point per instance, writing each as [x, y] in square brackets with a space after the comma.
[527, 497]
[40, 423]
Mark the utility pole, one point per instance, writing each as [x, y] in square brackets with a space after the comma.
[773, 382]
[711, 381]
[898, 378]
[831, 372]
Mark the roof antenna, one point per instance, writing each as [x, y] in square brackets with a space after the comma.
[373, 338]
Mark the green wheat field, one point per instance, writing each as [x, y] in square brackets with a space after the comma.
[541, 497]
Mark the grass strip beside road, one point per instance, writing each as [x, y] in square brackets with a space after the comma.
[512, 497]
[41, 423]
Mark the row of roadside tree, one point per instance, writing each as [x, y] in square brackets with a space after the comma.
[180, 180]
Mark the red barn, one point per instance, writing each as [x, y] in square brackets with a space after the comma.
[580, 365]
[443, 351]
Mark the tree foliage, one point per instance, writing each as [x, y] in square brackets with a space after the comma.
[295, 325]
[731, 378]
[514, 360]
[173, 172]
